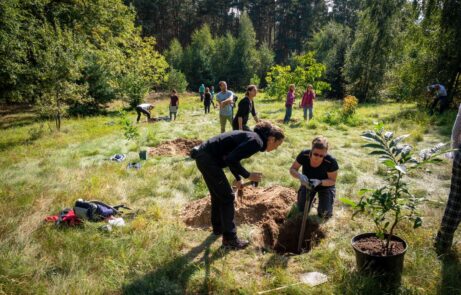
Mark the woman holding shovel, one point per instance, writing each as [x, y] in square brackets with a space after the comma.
[320, 170]
[227, 150]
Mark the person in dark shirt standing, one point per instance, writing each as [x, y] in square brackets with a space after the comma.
[245, 107]
[320, 169]
[208, 100]
[174, 104]
[227, 150]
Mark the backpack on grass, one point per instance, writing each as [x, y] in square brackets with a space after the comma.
[95, 210]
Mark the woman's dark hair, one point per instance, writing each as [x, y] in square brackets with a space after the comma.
[250, 88]
[320, 142]
[266, 129]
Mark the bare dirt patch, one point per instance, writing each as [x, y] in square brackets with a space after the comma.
[267, 208]
[176, 147]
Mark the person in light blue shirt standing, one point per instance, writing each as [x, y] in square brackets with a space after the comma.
[225, 100]
[201, 90]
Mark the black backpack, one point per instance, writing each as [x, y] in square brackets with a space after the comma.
[95, 210]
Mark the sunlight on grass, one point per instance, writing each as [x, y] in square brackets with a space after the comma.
[42, 172]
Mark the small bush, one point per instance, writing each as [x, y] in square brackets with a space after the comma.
[130, 131]
[331, 118]
[35, 133]
[349, 177]
[312, 124]
[350, 104]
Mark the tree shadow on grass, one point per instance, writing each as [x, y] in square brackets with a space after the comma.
[172, 278]
[451, 275]
[357, 283]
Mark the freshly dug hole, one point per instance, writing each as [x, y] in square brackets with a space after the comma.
[287, 241]
[266, 208]
[176, 147]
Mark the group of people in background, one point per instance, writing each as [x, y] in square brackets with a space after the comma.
[307, 102]
[226, 99]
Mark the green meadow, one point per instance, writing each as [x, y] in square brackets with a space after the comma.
[43, 171]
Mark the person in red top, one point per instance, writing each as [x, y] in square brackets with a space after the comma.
[307, 103]
[289, 103]
[174, 103]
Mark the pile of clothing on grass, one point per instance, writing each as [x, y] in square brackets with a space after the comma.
[95, 211]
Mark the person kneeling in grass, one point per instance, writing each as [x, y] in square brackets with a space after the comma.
[320, 169]
[227, 150]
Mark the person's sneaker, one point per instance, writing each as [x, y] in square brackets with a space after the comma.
[235, 244]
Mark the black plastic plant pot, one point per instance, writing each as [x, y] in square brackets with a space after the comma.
[143, 155]
[388, 268]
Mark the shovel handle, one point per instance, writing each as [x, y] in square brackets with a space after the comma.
[307, 208]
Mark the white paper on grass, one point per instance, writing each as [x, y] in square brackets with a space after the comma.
[117, 222]
[313, 278]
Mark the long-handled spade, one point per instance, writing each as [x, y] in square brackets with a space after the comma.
[307, 208]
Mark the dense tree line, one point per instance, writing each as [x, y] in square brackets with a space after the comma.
[237, 60]
[74, 56]
[372, 49]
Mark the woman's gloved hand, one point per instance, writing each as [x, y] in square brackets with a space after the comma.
[304, 180]
[316, 182]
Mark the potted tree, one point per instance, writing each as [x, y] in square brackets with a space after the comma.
[382, 252]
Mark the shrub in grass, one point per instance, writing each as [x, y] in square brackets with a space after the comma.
[349, 177]
[312, 124]
[35, 133]
[417, 135]
[350, 104]
[331, 118]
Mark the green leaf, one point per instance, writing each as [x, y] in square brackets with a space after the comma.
[380, 153]
[398, 139]
[374, 145]
[389, 163]
[364, 191]
[348, 202]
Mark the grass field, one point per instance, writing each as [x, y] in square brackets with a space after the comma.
[43, 171]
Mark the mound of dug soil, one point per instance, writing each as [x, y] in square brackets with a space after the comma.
[176, 147]
[266, 208]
